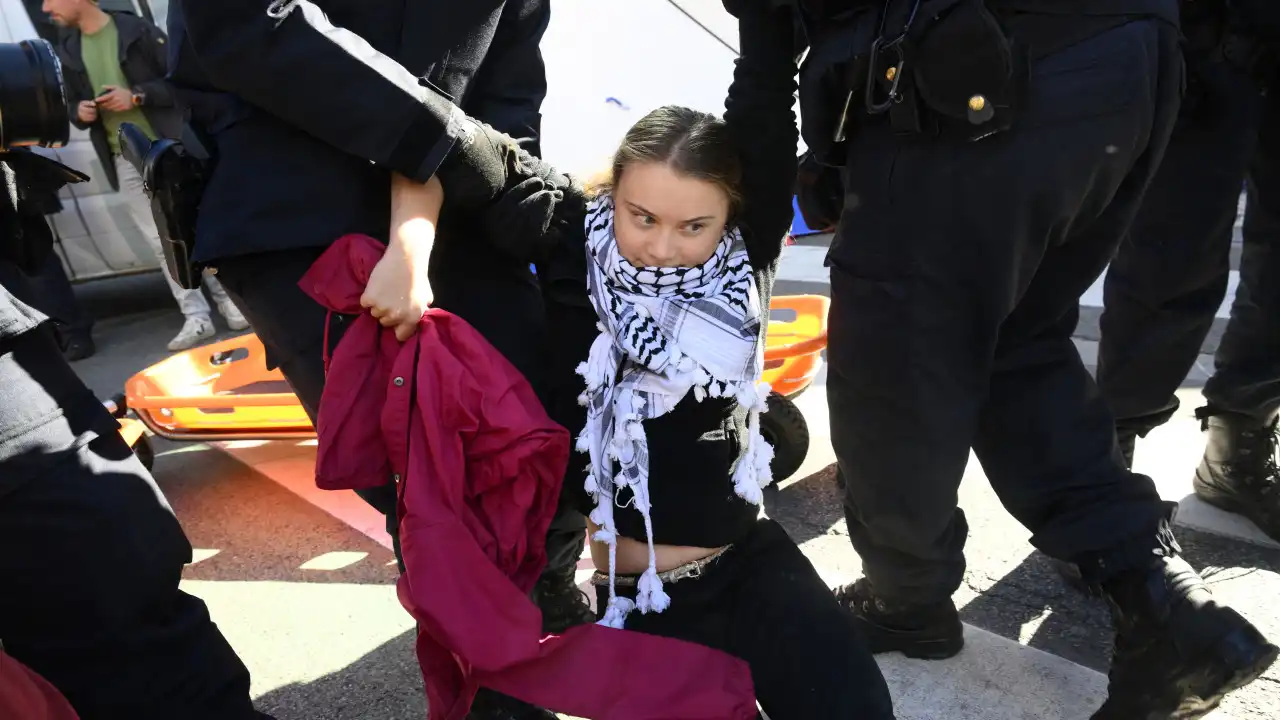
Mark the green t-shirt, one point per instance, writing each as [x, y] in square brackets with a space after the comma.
[101, 54]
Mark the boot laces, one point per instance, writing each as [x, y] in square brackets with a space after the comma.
[1266, 442]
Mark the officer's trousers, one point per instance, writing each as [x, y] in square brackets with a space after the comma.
[56, 298]
[505, 307]
[955, 280]
[1170, 275]
[90, 559]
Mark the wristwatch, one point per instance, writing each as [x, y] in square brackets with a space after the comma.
[138, 98]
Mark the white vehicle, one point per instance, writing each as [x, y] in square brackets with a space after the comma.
[94, 233]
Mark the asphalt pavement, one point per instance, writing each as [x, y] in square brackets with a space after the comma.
[302, 581]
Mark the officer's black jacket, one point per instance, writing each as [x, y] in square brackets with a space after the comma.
[307, 123]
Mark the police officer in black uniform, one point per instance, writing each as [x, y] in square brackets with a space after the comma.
[307, 108]
[90, 552]
[1167, 281]
[995, 153]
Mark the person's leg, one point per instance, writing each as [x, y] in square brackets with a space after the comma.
[58, 301]
[226, 307]
[291, 327]
[93, 557]
[1046, 443]
[807, 656]
[939, 241]
[1239, 469]
[1170, 274]
[198, 326]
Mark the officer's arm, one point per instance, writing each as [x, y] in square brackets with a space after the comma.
[512, 82]
[760, 114]
[156, 93]
[322, 79]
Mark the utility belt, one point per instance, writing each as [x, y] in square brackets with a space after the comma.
[918, 64]
[928, 67]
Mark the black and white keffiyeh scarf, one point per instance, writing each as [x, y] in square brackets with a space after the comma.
[663, 333]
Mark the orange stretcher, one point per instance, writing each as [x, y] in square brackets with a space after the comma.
[224, 391]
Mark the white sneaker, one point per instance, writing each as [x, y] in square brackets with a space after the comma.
[194, 330]
[232, 315]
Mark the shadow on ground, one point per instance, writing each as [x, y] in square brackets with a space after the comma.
[385, 684]
[257, 530]
[808, 507]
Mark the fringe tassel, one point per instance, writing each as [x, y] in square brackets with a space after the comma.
[615, 616]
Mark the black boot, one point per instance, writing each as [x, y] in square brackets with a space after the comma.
[924, 632]
[1238, 472]
[562, 603]
[79, 347]
[1177, 652]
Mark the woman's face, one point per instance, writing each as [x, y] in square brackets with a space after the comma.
[664, 219]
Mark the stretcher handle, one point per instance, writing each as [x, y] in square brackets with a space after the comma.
[213, 402]
[808, 346]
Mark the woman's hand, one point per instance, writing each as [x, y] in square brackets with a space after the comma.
[399, 293]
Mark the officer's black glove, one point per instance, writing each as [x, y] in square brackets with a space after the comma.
[482, 166]
[541, 215]
[819, 194]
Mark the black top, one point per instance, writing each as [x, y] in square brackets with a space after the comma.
[694, 448]
[307, 125]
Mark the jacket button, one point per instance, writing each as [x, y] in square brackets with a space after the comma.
[399, 382]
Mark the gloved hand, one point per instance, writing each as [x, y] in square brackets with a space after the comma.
[819, 193]
[481, 167]
[538, 217]
[526, 207]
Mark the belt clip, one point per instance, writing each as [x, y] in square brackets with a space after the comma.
[278, 10]
[893, 74]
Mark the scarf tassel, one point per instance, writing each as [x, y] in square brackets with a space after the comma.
[615, 615]
[753, 472]
[650, 597]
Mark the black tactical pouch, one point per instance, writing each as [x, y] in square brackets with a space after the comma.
[952, 60]
[966, 68]
[174, 179]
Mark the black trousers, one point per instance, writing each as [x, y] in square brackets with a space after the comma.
[956, 275]
[501, 301]
[90, 559]
[762, 601]
[56, 298]
[1171, 273]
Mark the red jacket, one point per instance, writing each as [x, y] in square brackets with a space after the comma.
[480, 466]
[26, 695]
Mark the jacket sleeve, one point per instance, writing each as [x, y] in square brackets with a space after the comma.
[512, 84]
[761, 117]
[287, 58]
[158, 92]
[74, 98]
